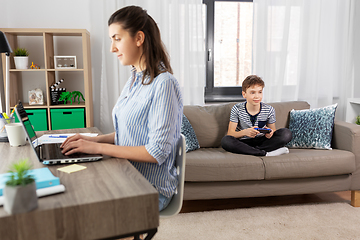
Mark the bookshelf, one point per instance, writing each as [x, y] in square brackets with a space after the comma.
[352, 109]
[43, 45]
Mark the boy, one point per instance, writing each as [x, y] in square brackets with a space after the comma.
[242, 136]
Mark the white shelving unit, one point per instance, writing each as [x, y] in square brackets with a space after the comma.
[352, 109]
[47, 42]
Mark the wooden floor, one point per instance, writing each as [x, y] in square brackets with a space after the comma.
[221, 204]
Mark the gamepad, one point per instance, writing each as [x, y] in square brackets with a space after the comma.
[263, 130]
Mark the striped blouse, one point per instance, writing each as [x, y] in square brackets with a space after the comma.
[244, 119]
[150, 116]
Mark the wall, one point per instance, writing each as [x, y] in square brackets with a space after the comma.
[46, 14]
[77, 14]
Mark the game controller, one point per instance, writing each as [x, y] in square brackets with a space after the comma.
[263, 130]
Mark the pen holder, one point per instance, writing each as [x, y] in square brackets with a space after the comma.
[3, 122]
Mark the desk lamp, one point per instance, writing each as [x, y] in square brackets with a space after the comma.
[5, 48]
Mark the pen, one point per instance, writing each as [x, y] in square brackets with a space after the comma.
[60, 136]
[12, 112]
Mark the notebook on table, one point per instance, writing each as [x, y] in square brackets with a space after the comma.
[49, 153]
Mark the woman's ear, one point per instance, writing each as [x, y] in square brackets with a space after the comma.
[140, 38]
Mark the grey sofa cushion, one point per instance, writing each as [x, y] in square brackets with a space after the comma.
[282, 111]
[215, 164]
[304, 163]
[210, 123]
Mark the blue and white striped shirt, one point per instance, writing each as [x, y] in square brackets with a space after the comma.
[150, 116]
[244, 119]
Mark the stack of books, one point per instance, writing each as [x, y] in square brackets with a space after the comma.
[46, 183]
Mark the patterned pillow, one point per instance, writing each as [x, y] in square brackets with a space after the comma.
[190, 136]
[312, 128]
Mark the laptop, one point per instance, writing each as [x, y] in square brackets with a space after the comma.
[49, 153]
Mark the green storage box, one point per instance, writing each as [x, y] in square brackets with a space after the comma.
[37, 118]
[67, 118]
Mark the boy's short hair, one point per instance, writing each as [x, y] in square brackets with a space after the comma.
[252, 80]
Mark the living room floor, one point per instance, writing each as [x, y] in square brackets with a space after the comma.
[222, 204]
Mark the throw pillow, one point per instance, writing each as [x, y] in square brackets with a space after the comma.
[312, 128]
[190, 136]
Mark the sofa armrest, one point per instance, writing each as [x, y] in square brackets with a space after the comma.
[346, 136]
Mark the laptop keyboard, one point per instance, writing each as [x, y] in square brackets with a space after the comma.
[53, 151]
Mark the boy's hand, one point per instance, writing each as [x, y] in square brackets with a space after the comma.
[251, 132]
[270, 134]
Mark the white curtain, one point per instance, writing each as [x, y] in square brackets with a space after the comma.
[303, 50]
[180, 24]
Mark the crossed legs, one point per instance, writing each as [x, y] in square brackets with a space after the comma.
[258, 146]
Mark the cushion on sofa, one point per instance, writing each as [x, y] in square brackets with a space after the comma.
[312, 128]
[216, 164]
[304, 163]
[189, 134]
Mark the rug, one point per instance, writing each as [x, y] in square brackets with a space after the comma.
[305, 221]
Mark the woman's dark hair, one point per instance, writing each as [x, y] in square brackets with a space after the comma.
[134, 19]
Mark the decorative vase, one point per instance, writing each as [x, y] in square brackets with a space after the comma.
[21, 62]
[20, 199]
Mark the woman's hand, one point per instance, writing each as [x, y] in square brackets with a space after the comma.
[80, 143]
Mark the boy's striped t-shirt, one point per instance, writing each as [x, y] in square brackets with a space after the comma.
[244, 119]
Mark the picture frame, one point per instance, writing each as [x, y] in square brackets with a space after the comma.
[65, 62]
[36, 97]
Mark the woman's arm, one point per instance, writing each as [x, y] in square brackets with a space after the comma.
[136, 153]
[106, 138]
[104, 144]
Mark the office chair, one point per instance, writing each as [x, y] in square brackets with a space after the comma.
[176, 202]
[175, 205]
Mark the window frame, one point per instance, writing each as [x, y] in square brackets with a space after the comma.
[212, 93]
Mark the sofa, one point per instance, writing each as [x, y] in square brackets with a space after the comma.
[213, 173]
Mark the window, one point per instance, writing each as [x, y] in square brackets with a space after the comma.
[229, 48]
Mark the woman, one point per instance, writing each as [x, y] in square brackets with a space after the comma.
[147, 116]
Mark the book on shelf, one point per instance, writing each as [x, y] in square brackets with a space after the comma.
[43, 179]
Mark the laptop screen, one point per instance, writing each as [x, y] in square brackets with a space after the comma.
[23, 117]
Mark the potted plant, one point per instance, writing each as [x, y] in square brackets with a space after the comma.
[21, 58]
[358, 120]
[20, 190]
